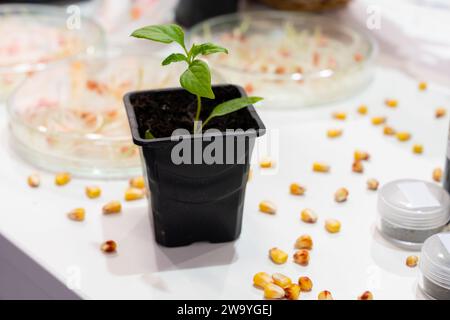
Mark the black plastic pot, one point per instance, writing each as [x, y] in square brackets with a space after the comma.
[192, 202]
[190, 12]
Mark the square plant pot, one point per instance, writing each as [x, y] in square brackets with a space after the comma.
[197, 182]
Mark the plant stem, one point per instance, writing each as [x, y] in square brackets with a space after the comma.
[197, 115]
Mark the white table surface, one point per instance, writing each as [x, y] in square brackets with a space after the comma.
[346, 264]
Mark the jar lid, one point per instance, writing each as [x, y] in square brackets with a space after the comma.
[435, 259]
[414, 204]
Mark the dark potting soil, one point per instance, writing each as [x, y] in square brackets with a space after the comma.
[407, 235]
[435, 291]
[162, 112]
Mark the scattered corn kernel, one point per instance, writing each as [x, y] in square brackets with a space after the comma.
[334, 133]
[137, 182]
[372, 184]
[132, 194]
[341, 195]
[325, 295]
[423, 86]
[357, 167]
[308, 216]
[437, 174]
[412, 261]
[392, 103]
[109, 247]
[93, 192]
[266, 163]
[112, 207]
[61, 179]
[362, 109]
[418, 149]
[320, 167]
[332, 226]
[281, 280]
[376, 121]
[403, 136]
[278, 256]
[339, 115]
[297, 190]
[301, 257]
[305, 284]
[34, 180]
[361, 155]
[77, 214]
[367, 295]
[388, 131]
[304, 242]
[440, 113]
[292, 292]
[262, 279]
[272, 291]
[267, 207]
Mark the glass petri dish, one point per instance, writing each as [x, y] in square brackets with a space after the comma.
[37, 36]
[72, 118]
[292, 60]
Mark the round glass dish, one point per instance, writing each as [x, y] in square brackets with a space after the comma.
[36, 36]
[292, 60]
[72, 118]
[410, 211]
[434, 278]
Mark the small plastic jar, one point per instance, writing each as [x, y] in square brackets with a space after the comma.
[435, 267]
[411, 211]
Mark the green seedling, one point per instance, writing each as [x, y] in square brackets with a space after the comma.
[197, 78]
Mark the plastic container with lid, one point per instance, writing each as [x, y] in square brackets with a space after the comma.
[411, 211]
[435, 267]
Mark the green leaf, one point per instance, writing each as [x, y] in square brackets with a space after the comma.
[149, 135]
[206, 48]
[174, 57]
[232, 106]
[165, 33]
[197, 80]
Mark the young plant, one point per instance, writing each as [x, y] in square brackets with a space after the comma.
[197, 78]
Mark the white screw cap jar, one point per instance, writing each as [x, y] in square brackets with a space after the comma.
[435, 267]
[411, 211]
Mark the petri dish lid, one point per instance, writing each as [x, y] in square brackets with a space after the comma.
[435, 259]
[414, 204]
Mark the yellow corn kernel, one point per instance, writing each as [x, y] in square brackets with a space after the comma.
[325, 295]
[376, 121]
[61, 179]
[132, 194]
[301, 257]
[423, 86]
[266, 163]
[362, 109]
[332, 226]
[112, 207]
[418, 149]
[412, 261]
[292, 292]
[137, 182]
[308, 216]
[340, 115]
[77, 214]
[440, 113]
[341, 195]
[388, 131]
[304, 242]
[278, 256]
[372, 184]
[321, 167]
[281, 280]
[297, 190]
[305, 284]
[262, 279]
[267, 207]
[34, 180]
[109, 247]
[334, 133]
[392, 103]
[403, 136]
[367, 295]
[361, 155]
[437, 174]
[272, 291]
[93, 192]
[357, 167]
